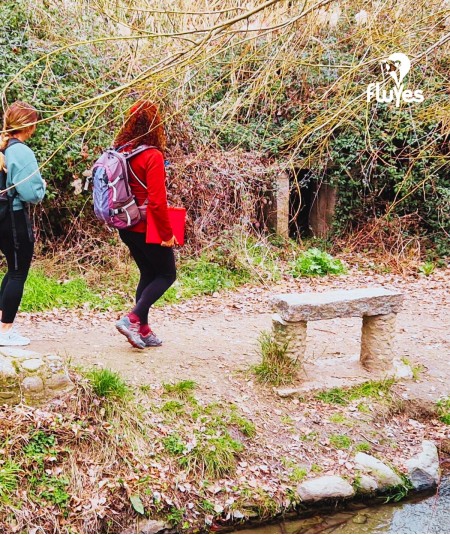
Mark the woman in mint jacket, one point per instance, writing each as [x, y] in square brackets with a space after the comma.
[24, 185]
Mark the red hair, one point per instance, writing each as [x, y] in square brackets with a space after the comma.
[143, 126]
[18, 117]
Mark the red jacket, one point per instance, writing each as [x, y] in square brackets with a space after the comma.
[149, 168]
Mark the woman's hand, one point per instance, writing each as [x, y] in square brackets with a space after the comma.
[170, 243]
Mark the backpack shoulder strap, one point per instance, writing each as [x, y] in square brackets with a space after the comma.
[12, 193]
[135, 152]
[138, 150]
[13, 141]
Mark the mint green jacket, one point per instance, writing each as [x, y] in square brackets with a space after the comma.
[23, 172]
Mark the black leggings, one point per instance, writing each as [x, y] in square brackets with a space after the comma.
[157, 268]
[11, 289]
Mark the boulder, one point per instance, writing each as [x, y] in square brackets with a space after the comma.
[322, 488]
[367, 484]
[383, 475]
[402, 370]
[423, 469]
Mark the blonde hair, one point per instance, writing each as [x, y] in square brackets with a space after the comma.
[18, 117]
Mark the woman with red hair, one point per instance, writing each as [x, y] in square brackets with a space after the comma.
[147, 179]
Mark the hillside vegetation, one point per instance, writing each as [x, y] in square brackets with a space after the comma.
[248, 89]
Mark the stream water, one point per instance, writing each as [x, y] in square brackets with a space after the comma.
[429, 514]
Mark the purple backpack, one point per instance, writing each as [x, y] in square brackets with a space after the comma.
[114, 204]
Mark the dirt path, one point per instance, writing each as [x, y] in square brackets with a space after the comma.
[213, 340]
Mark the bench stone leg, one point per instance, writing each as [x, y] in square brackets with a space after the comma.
[378, 335]
[294, 334]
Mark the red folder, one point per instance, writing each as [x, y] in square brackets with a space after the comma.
[177, 218]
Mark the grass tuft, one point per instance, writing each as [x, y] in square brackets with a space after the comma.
[369, 389]
[443, 409]
[108, 384]
[8, 479]
[182, 389]
[341, 442]
[213, 456]
[276, 367]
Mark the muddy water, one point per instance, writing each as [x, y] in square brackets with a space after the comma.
[420, 515]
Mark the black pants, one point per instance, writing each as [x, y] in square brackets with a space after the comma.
[11, 289]
[157, 269]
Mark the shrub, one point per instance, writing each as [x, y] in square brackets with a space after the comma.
[315, 262]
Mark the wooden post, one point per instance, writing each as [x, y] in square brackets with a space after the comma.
[279, 215]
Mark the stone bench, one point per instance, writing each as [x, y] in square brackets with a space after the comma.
[31, 378]
[378, 308]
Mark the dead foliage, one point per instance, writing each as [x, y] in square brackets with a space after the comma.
[393, 242]
[221, 191]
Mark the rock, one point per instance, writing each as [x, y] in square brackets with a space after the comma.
[151, 526]
[33, 384]
[336, 304]
[402, 370]
[324, 487]
[384, 476]
[58, 381]
[17, 353]
[367, 484]
[32, 364]
[360, 518]
[423, 469]
[6, 396]
[6, 367]
[288, 392]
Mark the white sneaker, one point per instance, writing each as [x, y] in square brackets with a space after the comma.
[13, 338]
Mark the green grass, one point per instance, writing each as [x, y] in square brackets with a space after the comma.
[108, 384]
[298, 474]
[200, 276]
[204, 276]
[173, 407]
[43, 293]
[341, 442]
[416, 369]
[276, 367]
[443, 409]
[339, 418]
[427, 268]
[363, 447]
[395, 494]
[9, 480]
[314, 262]
[174, 444]
[214, 456]
[246, 427]
[182, 389]
[369, 389]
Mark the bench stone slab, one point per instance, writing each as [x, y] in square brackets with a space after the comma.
[337, 304]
